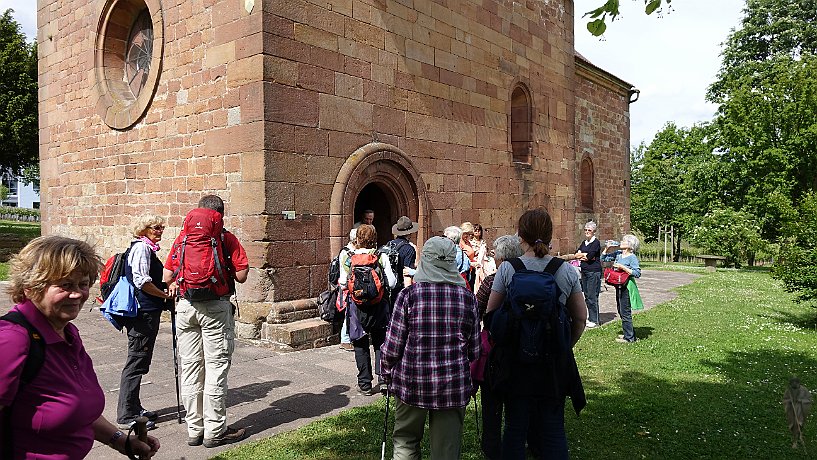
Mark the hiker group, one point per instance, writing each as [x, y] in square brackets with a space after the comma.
[444, 321]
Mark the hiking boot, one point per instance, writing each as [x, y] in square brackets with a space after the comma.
[347, 347]
[151, 425]
[228, 437]
[195, 440]
[368, 392]
[151, 415]
[623, 340]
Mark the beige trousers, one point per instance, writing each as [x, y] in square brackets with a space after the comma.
[206, 339]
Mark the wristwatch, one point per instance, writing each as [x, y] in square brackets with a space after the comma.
[115, 437]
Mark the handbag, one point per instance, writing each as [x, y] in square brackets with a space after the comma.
[615, 277]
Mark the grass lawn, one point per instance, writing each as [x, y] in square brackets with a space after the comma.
[13, 236]
[705, 380]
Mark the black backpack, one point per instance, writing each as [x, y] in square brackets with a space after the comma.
[334, 268]
[34, 362]
[392, 251]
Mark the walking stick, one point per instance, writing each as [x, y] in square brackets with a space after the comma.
[385, 427]
[176, 362]
[141, 430]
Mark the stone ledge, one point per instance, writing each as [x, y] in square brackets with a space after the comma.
[299, 335]
[293, 310]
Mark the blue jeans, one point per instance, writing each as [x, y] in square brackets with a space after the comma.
[546, 417]
[591, 285]
[625, 312]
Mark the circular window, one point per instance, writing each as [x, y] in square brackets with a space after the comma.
[140, 49]
[127, 60]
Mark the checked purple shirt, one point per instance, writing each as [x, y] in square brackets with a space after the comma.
[432, 338]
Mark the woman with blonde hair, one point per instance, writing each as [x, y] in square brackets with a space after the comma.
[57, 413]
[144, 271]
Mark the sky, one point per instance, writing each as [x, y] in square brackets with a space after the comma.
[671, 58]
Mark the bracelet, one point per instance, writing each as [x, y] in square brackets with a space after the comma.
[115, 437]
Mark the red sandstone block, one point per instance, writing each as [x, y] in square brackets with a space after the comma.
[389, 121]
[281, 99]
[342, 144]
[311, 141]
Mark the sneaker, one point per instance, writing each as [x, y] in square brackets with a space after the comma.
[151, 415]
[368, 392]
[620, 336]
[590, 325]
[228, 437]
[347, 347]
[623, 340]
[195, 440]
[127, 426]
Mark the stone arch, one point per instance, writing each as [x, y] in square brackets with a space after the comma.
[521, 123]
[587, 185]
[390, 169]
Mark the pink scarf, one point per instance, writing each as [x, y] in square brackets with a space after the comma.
[151, 244]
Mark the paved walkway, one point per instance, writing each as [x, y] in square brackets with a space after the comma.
[270, 392]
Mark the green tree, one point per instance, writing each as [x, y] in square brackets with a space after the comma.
[732, 234]
[18, 97]
[672, 181]
[797, 263]
[611, 9]
[766, 125]
[4, 192]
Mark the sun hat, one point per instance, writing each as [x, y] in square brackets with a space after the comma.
[404, 226]
[438, 263]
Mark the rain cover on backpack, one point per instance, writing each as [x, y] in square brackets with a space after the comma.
[203, 272]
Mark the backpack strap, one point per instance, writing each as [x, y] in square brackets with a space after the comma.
[36, 352]
[517, 264]
[33, 363]
[553, 266]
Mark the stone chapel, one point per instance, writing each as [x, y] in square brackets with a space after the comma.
[303, 113]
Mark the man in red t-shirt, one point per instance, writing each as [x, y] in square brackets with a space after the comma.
[205, 330]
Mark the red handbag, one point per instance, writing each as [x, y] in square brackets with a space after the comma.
[615, 277]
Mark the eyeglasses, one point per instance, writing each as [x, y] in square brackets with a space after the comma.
[158, 228]
[587, 230]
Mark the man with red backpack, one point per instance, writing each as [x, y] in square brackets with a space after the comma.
[203, 265]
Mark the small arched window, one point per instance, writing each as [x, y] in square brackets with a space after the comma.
[586, 185]
[521, 128]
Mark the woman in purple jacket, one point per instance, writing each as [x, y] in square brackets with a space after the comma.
[57, 414]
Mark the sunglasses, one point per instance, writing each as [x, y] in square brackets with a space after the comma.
[158, 228]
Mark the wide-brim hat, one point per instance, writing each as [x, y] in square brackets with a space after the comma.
[438, 263]
[404, 226]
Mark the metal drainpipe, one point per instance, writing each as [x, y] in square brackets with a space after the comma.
[631, 92]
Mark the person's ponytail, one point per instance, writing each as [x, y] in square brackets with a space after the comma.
[540, 248]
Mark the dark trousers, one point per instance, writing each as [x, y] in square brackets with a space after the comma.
[142, 330]
[591, 285]
[491, 442]
[363, 357]
[547, 419]
[625, 312]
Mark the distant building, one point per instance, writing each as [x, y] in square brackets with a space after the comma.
[21, 194]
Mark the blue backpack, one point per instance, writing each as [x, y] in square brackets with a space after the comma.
[532, 324]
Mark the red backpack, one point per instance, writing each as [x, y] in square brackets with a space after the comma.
[365, 279]
[204, 271]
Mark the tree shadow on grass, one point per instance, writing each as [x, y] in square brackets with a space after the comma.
[740, 416]
[805, 319]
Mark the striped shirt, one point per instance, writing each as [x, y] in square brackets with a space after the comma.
[432, 338]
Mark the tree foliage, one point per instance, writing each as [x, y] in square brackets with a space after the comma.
[611, 9]
[797, 264]
[18, 97]
[729, 233]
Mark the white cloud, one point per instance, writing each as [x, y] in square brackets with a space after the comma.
[25, 13]
[672, 59]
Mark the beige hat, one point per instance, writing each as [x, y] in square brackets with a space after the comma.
[404, 226]
[438, 263]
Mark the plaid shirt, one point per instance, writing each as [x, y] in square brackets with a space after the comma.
[432, 337]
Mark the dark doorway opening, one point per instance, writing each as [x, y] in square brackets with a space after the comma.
[380, 200]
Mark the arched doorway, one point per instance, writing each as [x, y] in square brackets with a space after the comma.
[379, 177]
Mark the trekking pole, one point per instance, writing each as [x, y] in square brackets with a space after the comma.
[141, 430]
[176, 362]
[385, 427]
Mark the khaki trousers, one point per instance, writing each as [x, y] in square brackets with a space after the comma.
[444, 426]
[206, 340]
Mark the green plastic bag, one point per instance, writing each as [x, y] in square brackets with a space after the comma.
[635, 297]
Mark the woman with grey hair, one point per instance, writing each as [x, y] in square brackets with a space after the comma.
[588, 253]
[625, 260]
[506, 247]
[144, 271]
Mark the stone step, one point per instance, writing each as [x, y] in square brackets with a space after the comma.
[299, 335]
